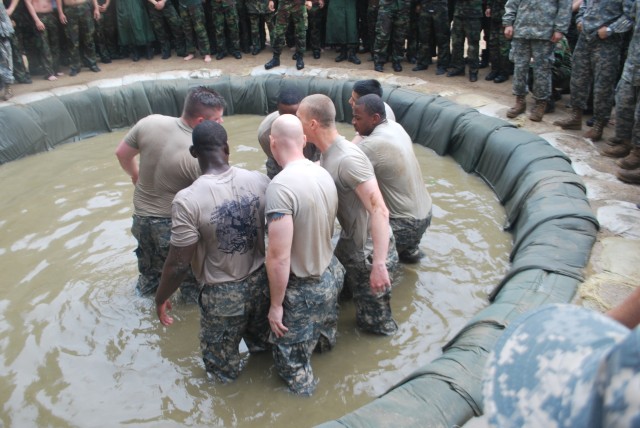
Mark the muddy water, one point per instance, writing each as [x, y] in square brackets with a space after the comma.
[79, 348]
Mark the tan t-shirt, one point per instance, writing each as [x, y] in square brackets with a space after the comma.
[390, 150]
[166, 166]
[224, 214]
[349, 167]
[306, 191]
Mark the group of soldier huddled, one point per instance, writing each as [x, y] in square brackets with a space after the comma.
[536, 42]
[202, 224]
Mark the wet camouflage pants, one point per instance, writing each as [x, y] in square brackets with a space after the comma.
[80, 26]
[160, 19]
[229, 312]
[48, 43]
[408, 232]
[225, 15]
[470, 29]
[628, 111]
[541, 51]
[391, 27]
[290, 10]
[311, 315]
[373, 311]
[193, 20]
[595, 66]
[153, 235]
[6, 62]
[434, 25]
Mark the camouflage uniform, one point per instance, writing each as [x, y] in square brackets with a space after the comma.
[6, 61]
[434, 25]
[373, 312]
[563, 366]
[193, 21]
[48, 43]
[258, 11]
[244, 26]
[311, 315]
[106, 34]
[408, 233]
[80, 25]
[21, 39]
[596, 61]
[229, 312]
[372, 19]
[392, 22]
[533, 26]
[225, 14]
[153, 235]
[467, 23]
[316, 18]
[499, 46]
[413, 33]
[160, 20]
[290, 10]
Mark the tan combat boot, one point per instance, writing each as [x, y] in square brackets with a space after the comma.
[518, 108]
[632, 161]
[617, 148]
[572, 122]
[538, 110]
[631, 176]
[595, 133]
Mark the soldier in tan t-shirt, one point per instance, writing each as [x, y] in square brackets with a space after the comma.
[218, 227]
[390, 150]
[304, 276]
[366, 248]
[166, 167]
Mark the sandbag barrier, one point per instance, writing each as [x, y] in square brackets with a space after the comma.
[547, 209]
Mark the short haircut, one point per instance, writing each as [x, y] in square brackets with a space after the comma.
[290, 96]
[209, 136]
[372, 104]
[366, 87]
[321, 108]
[201, 99]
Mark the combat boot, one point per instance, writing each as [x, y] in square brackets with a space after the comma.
[518, 108]
[274, 62]
[619, 150]
[352, 57]
[538, 110]
[8, 92]
[595, 133]
[572, 122]
[632, 161]
[300, 61]
[631, 176]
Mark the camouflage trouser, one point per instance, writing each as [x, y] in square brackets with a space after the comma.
[225, 16]
[231, 311]
[311, 315]
[413, 33]
[499, 47]
[256, 21]
[391, 26]
[160, 19]
[522, 52]
[468, 28]
[6, 62]
[595, 66]
[408, 233]
[193, 20]
[80, 25]
[153, 235]
[298, 14]
[49, 44]
[20, 72]
[373, 311]
[316, 19]
[244, 25]
[106, 34]
[434, 24]
[628, 111]
[372, 18]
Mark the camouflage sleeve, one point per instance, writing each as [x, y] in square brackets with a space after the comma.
[563, 17]
[625, 21]
[510, 9]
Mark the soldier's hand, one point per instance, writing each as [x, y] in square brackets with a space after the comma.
[39, 25]
[508, 32]
[161, 310]
[557, 36]
[379, 279]
[579, 27]
[272, 6]
[275, 321]
[63, 19]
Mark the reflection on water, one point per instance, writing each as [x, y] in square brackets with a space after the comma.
[79, 348]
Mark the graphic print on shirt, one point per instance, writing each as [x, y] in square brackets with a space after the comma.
[236, 224]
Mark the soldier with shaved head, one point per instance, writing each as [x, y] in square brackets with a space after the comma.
[305, 278]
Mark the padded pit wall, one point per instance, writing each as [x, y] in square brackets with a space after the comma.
[547, 210]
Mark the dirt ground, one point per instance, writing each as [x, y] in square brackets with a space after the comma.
[615, 261]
